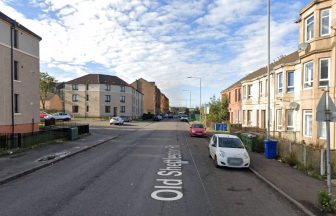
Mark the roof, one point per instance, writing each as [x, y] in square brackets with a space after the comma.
[292, 57]
[98, 79]
[6, 18]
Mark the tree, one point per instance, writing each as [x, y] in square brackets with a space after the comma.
[47, 84]
[218, 110]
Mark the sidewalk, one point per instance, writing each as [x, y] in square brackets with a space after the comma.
[14, 166]
[292, 183]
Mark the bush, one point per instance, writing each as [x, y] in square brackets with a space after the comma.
[327, 203]
[291, 159]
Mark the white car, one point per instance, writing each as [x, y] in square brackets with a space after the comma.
[117, 121]
[229, 151]
[59, 116]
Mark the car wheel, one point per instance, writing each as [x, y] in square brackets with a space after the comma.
[216, 162]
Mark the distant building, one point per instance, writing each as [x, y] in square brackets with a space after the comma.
[164, 103]
[98, 95]
[152, 96]
[20, 77]
[52, 102]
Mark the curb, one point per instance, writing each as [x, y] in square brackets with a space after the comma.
[289, 198]
[28, 171]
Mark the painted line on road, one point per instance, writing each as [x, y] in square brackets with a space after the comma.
[36, 168]
[296, 203]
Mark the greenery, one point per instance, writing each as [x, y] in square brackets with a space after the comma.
[47, 84]
[218, 109]
[291, 159]
[327, 203]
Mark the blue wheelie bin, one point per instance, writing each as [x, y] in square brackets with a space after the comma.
[270, 148]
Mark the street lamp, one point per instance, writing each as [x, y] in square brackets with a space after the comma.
[189, 102]
[200, 78]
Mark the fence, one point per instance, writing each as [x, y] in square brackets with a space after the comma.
[46, 135]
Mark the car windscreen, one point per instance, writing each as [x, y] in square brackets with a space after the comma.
[197, 126]
[226, 142]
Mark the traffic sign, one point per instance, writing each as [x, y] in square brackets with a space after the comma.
[323, 109]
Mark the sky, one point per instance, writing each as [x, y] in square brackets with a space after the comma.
[164, 41]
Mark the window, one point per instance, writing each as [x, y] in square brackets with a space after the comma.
[16, 103]
[236, 95]
[290, 120]
[325, 22]
[74, 86]
[16, 39]
[307, 121]
[107, 109]
[122, 109]
[107, 98]
[74, 98]
[87, 97]
[308, 75]
[107, 87]
[279, 119]
[290, 81]
[280, 82]
[324, 72]
[309, 28]
[322, 130]
[87, 108]
[249, 117]
[16, 70]
[122, 88]
[244, 92]
[239, 95]
[266, 88]
[229, 97]
[74, 109]
[260, 88]
[122, 99]
[249, 91]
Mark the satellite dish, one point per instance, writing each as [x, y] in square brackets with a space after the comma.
[294, 105]
[303, 46]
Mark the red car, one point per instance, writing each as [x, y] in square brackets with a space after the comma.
[197, 130]
[43, 114]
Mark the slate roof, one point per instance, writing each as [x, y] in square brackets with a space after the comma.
[98, 79]
[291, 58]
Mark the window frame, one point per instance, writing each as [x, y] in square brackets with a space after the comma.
[311, 78]
[249, 91]
[321, 22]
[319, 130]
[16, 103]
[75, 98]
[16, 70]
[107, 98]
[320, 66]
[305, 114]
[75, 87]
[107, 87]
[289, 127]
[306, 28]
[122, 99]
[279, 114]
[107, 109]
[280, 81]
[290, 89]
[75, 109]
[122, 109]
[122, 88]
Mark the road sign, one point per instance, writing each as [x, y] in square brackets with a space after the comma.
[322, 110]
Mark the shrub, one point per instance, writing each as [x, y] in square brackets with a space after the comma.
[326, 203]
[291, 159]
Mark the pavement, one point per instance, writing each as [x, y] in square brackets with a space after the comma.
[301, 190]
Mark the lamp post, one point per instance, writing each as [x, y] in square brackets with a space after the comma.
[200, 79]
[189, 102]
[268, 70]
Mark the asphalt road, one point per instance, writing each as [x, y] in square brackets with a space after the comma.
[156, 170]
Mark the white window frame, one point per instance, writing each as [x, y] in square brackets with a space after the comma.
[249, 91]
[306, 28]
[307, 133]
[280, 82]
[322, 125]
[310, 75]
[75, 87]
[107, 98]
[288, 126]
[321, 21]
[320, 79]
[107, 87]
[74, 98]
[288, 86]
[279, 119]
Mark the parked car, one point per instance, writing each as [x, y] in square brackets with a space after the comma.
[126, 118]
[229, 151]
[43, 114]
[157, 118]
[197, 130]
[184, 119]
[60, 116]
[116, 120]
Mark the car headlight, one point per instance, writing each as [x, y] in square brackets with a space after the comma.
[221, 153]
[193, 131]
[246, 156]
